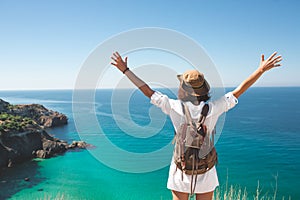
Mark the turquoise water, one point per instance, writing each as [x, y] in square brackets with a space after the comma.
[259, 142]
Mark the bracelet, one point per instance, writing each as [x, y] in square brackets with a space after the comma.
[125, 70]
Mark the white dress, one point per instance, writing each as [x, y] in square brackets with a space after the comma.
[208, 181]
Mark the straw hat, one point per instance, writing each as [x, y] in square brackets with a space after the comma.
[193, 82]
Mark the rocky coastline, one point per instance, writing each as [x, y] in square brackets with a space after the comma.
[23, 136]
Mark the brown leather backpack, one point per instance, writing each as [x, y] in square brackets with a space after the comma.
[194, 151]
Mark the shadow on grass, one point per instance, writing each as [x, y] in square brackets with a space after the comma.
[22, 176]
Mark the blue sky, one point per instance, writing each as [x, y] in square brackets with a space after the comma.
[44, 43]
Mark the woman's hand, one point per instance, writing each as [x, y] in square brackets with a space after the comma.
[119, 62]
[122, 66]
[270, 63]
[264, 66]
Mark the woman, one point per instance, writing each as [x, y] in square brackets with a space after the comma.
[194, 91]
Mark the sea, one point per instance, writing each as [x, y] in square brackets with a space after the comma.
[258, 146]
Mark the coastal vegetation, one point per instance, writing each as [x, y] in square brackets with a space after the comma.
[9, 122]
[233, 192]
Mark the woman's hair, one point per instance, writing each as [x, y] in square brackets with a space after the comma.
[203, 98]
[195, 100]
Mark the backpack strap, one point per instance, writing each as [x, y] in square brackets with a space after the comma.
[183, 111]
[187, 114]
[204, 113]
[182, 146]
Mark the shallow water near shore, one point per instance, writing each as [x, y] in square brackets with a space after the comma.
[259, 142]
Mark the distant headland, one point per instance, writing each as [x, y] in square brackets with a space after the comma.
[23, 135]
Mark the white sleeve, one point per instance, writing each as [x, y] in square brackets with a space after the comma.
[224, 104]
[162, 101]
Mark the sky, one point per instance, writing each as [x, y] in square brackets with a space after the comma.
[44, 44]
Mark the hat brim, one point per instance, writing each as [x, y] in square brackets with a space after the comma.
[202, 91]
[179, 77]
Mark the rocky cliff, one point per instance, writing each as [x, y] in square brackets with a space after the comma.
[38, 113]
[22, 134]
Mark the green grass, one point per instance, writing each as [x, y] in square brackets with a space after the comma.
[238, 193]
[232, 192]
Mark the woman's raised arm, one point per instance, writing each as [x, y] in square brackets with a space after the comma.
[265, 65]
[122, 66]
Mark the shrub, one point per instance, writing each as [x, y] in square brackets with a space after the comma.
[3, 116]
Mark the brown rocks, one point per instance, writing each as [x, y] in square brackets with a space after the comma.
[37, 143]
[40, 114]
[22, 134]
[55, 147]
[18, 147]
[51, 147]
[79, 144]
[54, 120]
[3, 105]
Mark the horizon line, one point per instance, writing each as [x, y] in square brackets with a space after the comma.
[108, 88]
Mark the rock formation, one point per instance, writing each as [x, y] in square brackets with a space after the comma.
[22, 134]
